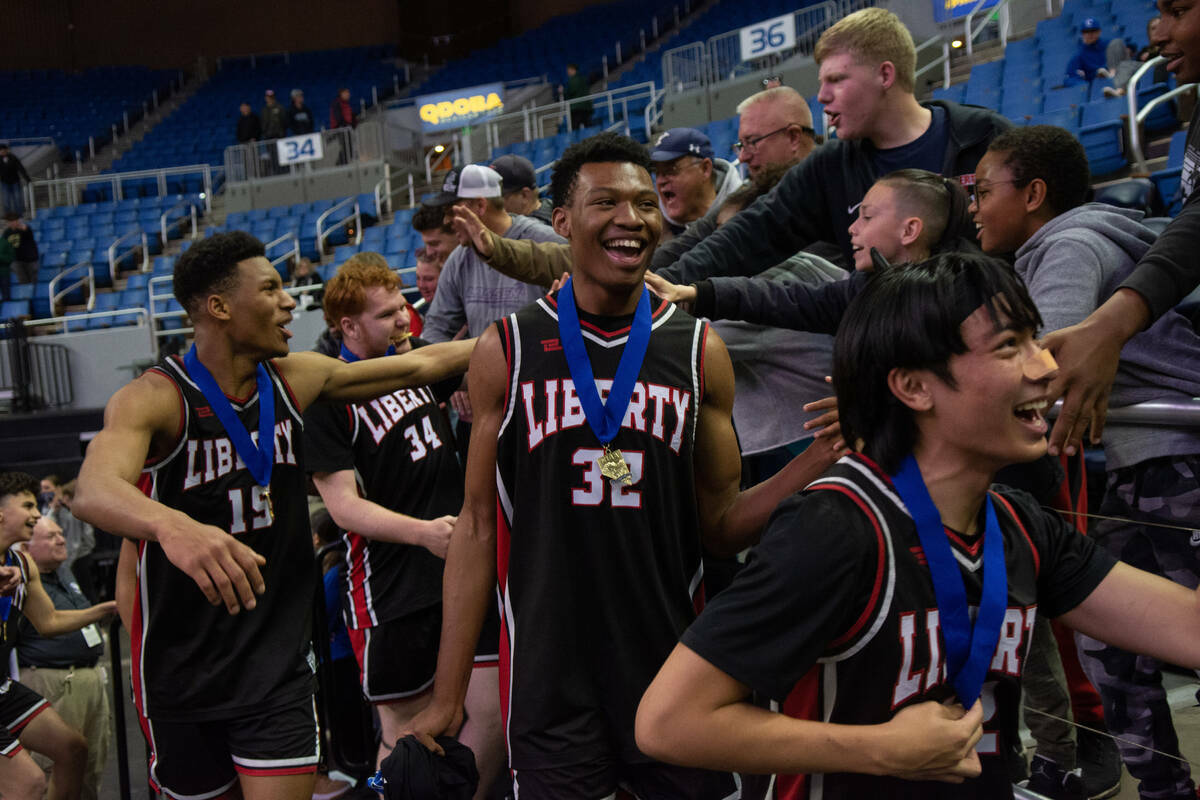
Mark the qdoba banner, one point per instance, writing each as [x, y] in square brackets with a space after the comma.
[461, 107]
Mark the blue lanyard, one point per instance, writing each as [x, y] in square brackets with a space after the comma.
[969, 649]
[260, 458]
[7, 601]
[604, 418]
[350, 358]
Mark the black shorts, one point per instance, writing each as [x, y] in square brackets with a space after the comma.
[645, 781]
[398, 659]
[204, 759]
[18, 705]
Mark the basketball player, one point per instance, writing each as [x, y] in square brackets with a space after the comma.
[26, 719]
[388, 474]
[593, 521]
[225, 699]
[938, 376]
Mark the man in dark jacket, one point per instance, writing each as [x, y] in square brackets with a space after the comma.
[880, 127]
[300, 118]
[11, 173]
[274, 118]
[248, 126]
[20, 237]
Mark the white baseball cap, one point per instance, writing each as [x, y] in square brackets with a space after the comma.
[478, 181]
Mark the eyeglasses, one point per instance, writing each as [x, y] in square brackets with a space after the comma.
[753, 142]
[980, 191]
[673, 168]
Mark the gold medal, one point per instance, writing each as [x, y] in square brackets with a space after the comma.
[265, 493]
[613, 466]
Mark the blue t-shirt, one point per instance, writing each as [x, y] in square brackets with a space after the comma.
[927, 151]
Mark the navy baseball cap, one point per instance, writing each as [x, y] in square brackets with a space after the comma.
[1090, 24]
[679, 142]
[517, 172]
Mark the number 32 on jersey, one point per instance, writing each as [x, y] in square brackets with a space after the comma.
[595, 486]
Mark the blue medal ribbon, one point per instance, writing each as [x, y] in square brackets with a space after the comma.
[260, 458]
[969, 649]
[6, 602]
[350, 358]
[604, 418]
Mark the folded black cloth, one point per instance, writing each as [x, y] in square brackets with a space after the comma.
[412, 772]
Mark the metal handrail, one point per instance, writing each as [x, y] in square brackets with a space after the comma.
[293, 252]
[1157, 412]
[322, 236]
[1137, 116]
[943, 60]
[69, 189]
[112, 253]
[88, 279]
[408, 186]
[654, 109]
[75, 317]
[165, 226]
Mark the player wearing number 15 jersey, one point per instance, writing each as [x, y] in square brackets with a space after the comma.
[597, 575]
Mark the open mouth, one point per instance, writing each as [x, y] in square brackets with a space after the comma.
[1032, 414]
[667, 196]
[625, 251]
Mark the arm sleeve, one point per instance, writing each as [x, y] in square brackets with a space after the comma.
[446, 314]
[670, 252]
[327, 438]
[525, 260]
[1170, 270]
[803, 586]
[1067, 284]
[774, 227]
[795, 305]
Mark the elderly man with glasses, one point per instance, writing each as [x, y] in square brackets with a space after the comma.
[690, 180]
[775, 126]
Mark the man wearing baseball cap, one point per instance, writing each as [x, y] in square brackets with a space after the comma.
[519, 188]
[1096, 57]
[689, 179]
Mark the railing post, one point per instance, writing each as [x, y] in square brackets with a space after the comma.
[125, 116]
[604, 65]
[92, 146]
[395, 83]
[618, 54]
[78, 163]
[362, 105]
[374, 95]
[412, 192]
[642, 39]
[654, 26]
[945, 65]
[114, 131]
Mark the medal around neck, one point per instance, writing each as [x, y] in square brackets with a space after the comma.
[604, 418]
[259, 458]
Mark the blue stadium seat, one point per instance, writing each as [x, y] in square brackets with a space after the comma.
[1166, 180]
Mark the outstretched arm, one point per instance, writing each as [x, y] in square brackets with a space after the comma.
[539, 263]
[313, 376]
[733, 520]
[142, 415]
[50, 621]
[470, 573]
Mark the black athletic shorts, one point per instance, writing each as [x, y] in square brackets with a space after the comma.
[18, 705]
[647, 781]
[204, 759]
[398, 659]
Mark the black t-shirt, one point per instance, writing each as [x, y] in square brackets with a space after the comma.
[838, 592]
[927, 151]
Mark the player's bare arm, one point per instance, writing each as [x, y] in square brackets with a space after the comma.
[353, 512]
[470, 574]
[313, 376]
[50, 621]
[143, 419]
[1088, 355]
[731, 520]
[694, 714]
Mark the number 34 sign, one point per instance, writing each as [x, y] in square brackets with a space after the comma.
[296, 149]
[768, 36]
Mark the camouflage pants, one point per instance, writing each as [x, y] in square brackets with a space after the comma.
[1166, 491]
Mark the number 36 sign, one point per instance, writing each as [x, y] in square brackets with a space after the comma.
[296, 149]
[768, 36]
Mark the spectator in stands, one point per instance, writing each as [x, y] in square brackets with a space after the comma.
[300, 119]
[577, 86]
[305, 274]
[7, 256]
[12, 171]
[274, 117]
[867, 65]
[520, 190]
[775, 126]
[1032, 184]
[249, 128]
[1097, 57]
[437, 235]
[81, 542]
[689, 179]
[20, 237]
[341, 113]
[65, 669]
[429, 269]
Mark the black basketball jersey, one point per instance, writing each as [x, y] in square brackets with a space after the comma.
[840, 585]
[597, 579]
[193, 661]
[10, 607]
[402, 451]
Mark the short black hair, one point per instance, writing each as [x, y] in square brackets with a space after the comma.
[430, 218]
[910, 317]
[12, 483]
[603, 148]
[1052, 154]
[210, 266]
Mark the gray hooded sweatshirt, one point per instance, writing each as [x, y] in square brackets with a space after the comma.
[1072, 265]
